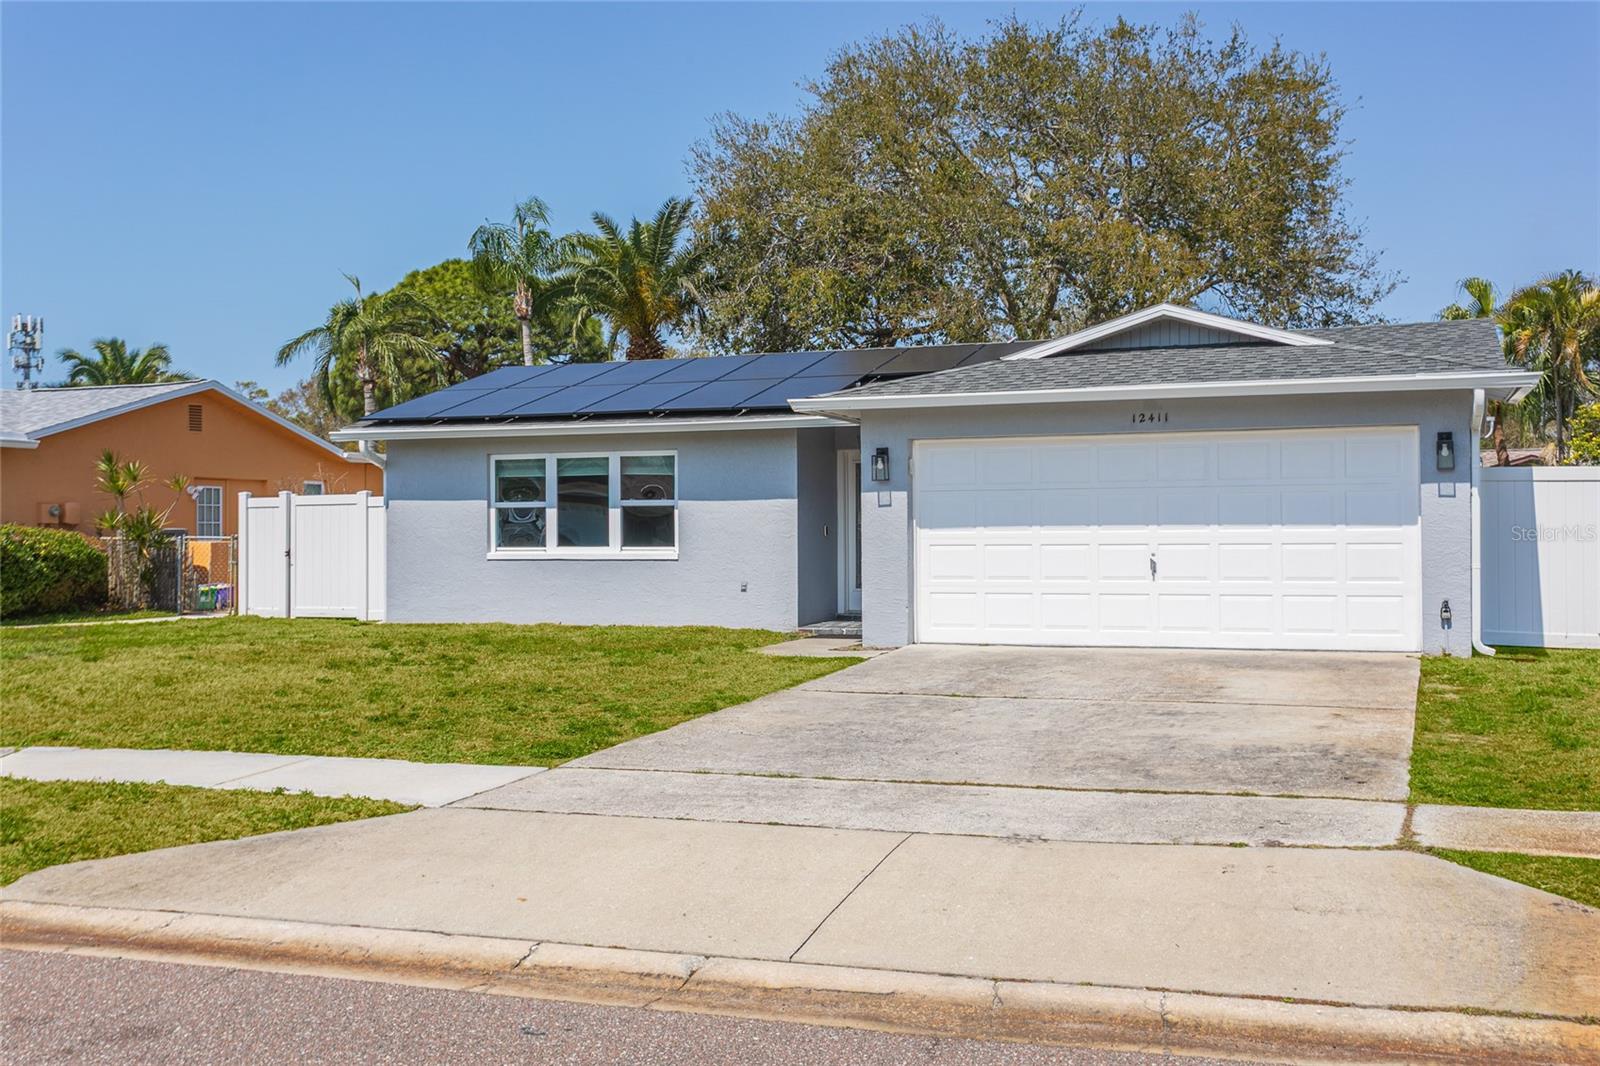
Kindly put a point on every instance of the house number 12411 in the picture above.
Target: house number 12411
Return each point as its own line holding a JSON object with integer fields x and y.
{"x": 1140, "y": 418}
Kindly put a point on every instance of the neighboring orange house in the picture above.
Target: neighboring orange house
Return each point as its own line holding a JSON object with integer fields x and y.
{"x": 51, "y": 439}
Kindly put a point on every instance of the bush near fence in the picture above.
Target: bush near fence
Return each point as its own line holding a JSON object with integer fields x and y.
{"x": 48, "y": 570}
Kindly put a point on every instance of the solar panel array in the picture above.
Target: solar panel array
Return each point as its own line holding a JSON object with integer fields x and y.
{"x": 734, "y": 384}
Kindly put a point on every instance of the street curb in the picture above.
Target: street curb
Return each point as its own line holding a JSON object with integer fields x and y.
{"x": 930, "y": 1004}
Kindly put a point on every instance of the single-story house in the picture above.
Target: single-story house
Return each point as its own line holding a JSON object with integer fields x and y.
{"x": 51, "y": 440}
{"x": 1170, "y": 478}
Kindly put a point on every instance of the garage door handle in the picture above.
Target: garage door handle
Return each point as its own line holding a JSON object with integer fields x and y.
{"x": 1152, "y": 566}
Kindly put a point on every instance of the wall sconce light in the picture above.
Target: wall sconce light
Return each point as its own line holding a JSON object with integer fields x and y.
{"x": 1444, "y": 615}
{"x": 880, "y": 465}
{"x": 1444, "y": 451}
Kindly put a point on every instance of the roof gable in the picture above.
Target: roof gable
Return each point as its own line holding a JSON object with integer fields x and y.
{"x": 1164, "y": 326}
{"x": 30, "y": 414}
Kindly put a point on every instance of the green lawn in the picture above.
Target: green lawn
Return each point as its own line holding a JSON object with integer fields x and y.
{"x": 44, "y": 823}
{"x": 1577, "y": 879}
{"x": 435, "y": 693}
{"x": 1520, "y": 729}
{"x": 61, "y": 617}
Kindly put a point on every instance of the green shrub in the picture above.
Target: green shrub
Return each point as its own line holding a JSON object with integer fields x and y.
{"x": 1585, "y": 440}
{"x": 49, "y": 570}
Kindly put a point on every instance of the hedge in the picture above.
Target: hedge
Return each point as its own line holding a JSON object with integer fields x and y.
{"x": 47, "y": 570}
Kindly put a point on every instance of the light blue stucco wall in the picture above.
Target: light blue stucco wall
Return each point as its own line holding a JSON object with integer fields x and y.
{"x": 1445, "y": 504}
{"x": 737, "y": 533}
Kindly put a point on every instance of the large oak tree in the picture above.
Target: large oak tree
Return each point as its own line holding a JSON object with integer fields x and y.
{"x": 1028, "y": 183}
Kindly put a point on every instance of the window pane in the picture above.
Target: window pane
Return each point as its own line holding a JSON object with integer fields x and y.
{"x": 518, "y": 480}
{"x": 519, "y": 527}
{"x": 647, "y": 527}
{"x": 648, "y": 477}
{"x": 583, "y": 494}
{"x": 311, "y": 488}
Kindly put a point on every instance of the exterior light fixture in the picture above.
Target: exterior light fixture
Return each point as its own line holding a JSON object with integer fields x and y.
{"x": 880, "y": 464}
{"x": 1444, "y": 451}
{"x": 1444, "y": 615}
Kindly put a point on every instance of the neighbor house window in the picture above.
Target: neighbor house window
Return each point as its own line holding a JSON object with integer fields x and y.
{"x": 616, "y": 503}
{"x": 208, "y": 511}
{"x": 312, "y": 488}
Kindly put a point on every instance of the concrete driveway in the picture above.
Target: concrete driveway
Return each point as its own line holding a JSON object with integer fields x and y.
{"x": 1149, "y": 746}
{"x": 1269, "y": 723}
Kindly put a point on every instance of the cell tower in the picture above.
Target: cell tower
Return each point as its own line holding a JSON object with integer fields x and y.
{"x": 25, "y": 343}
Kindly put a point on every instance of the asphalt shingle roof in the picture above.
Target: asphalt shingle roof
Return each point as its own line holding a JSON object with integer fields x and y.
{"x": 28, "y": 412}
{"x": 1355, "y": 351}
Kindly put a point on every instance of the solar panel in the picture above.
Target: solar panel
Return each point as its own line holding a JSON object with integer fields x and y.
{"x": 430, "y": 405}
{"x": 498, "y": 402}
{"x": 577, "y": 373}
{"x": 781, "y": 365}
{"x": 509, "y": 375}
{"x": 717, "y": 396}
{"x": 640, "y": 399}
{"x": 563, "y": 401}
{"x": 853, "y": 363}
{"x": 928, "y": 360}
{"x": 700, "y": 369}
{"x": 793, "y": 388}
{"x": 637, "y": 372}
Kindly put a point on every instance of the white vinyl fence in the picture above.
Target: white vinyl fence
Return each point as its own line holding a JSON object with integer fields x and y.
{"x": 312, "y": 556}
{"x": 1541, "y": 555}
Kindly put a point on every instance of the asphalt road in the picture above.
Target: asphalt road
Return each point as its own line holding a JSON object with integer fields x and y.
{"x": 68, "y": 1008}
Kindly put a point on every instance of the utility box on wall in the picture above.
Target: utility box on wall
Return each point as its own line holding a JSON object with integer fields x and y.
{"x": 59, "y": 514}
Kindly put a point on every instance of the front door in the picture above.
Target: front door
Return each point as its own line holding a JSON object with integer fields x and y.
{"x": 850, "y": 532}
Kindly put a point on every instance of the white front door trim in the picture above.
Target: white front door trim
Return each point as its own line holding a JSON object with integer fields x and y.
{"x": 849, "y": 510}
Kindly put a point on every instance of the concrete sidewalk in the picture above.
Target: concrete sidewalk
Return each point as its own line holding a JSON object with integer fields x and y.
{"x": 1383, "y": 929}
{"x": 424, "y": 784}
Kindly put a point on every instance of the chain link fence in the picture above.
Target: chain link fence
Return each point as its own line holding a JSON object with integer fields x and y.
{"x": 184, "y": 575}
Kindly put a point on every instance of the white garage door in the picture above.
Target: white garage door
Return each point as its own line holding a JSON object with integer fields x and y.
{"x": 1298, "y": 539}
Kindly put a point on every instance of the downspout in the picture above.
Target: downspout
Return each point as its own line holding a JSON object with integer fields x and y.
{"x": 1477, "y": 528}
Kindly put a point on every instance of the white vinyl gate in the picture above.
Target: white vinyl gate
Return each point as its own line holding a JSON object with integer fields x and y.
{"x": 1541, "y": 555}
{"x": 312, "y": 556}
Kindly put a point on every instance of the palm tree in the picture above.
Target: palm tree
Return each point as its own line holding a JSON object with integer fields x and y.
{"x": 526, "y": 255}
{"x": 373, "y": 331}
{"x": 640, "y": 281}
{"x": 1551, "y": 326}
{"x": 114, "y": 364}
{"x": 1481, "y": 303}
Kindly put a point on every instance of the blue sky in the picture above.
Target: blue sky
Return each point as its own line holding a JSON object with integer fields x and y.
{"x": 200, "y": 174}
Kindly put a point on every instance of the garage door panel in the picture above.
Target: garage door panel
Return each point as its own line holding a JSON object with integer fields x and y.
{"x": 1290, "y": 539}
{"x": 1311, "y": 459}
{"x": 1066, "y": 612}
{"x": 1128, "y": 509}
{"x": 1185, "y": 612}
{"x": 1242, "y": 615}
{"x": 1194, "y": 508}
{"x": 1375, "y": 614}
{"x": 1066, "y": 562}
{"x": 1247, "y": 508}
{"x": 1121, "y": 463}
{"x": 1124, "y": 612}
{"x": 1010, "y": 562}
{"x": 1320, "y": 508}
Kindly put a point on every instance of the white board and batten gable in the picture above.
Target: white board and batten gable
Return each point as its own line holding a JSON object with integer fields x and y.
{"x": 1167, "y": 325}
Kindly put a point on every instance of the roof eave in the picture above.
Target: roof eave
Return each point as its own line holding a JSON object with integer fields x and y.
{"x": 469, "y": 430}
{"x": 1507, "y": 384}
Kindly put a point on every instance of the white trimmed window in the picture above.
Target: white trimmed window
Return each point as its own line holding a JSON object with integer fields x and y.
{"x": 578, "y": 506}
{"x": 312, "y": 488}
{"x": 208, "y": 511}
